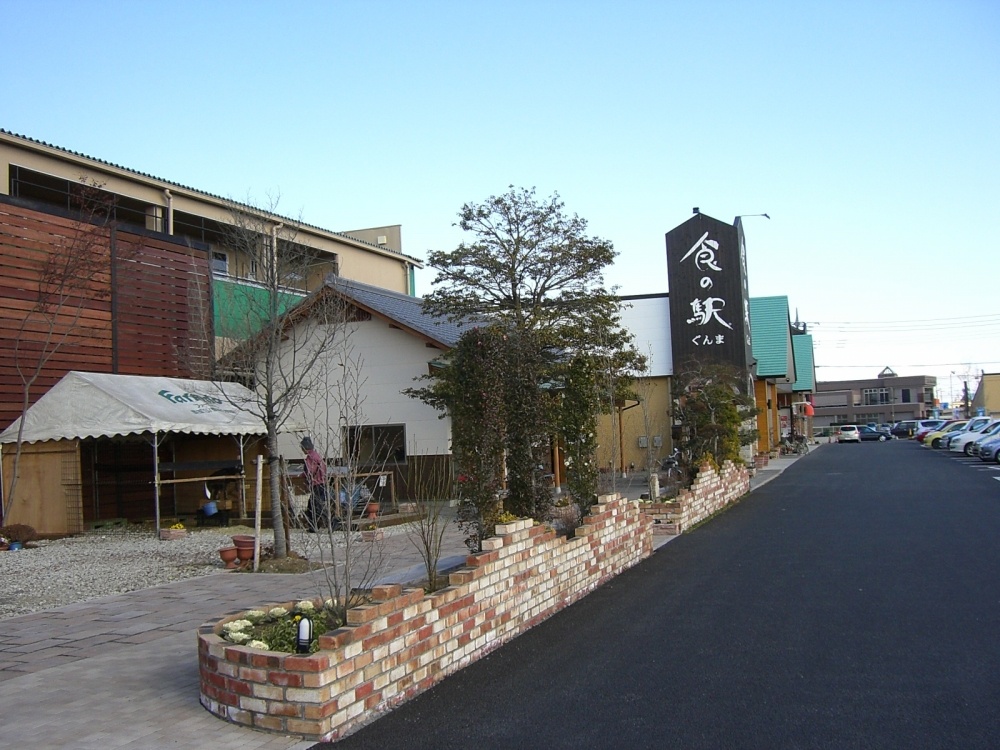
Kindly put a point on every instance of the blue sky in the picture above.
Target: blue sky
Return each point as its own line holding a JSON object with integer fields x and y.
{"x": 868, "y": 131}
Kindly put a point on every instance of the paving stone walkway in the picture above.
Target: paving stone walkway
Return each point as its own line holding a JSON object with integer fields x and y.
{"x": 122, "y": 671}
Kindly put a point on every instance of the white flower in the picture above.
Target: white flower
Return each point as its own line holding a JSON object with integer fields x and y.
{"x": 328, "y": 604}
{"x": 237, "y": 636}
{"x": 278, "y": 612}
{"x": 305, "y": 606}
{"x": 237, "y": 625}
{"x": 254, "y": 615}
{"x": 258, "y": 645}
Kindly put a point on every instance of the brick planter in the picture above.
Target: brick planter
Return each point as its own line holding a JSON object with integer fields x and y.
{"x": 406, "y": 640}
{"x": 167, "y": 535}
{"x": 710, "y": 492}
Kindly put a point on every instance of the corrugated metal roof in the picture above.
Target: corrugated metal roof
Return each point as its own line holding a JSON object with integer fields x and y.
{"x": 805, "y": 370}
{"x": 406, "y": 310}
{"x": 253, "y": 209}
{"x": 770, "y": 330}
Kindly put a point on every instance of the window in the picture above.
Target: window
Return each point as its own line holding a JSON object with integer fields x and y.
{"x": 252, "y": 272}
{"x": 904, "y": 395}
{"x": 220, "y": 263}
{"x": 374, "y": 446}
{"x": 874, "y": 396}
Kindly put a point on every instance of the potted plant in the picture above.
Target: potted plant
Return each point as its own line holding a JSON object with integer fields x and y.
{"x": 174, "y": 532}
{"x": 371, "y": 533}
{"x": 17, "y": 535}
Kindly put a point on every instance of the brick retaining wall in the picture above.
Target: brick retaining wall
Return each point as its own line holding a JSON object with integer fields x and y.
{"x": 710, "y": 492}
{"x": 406, "y": 640}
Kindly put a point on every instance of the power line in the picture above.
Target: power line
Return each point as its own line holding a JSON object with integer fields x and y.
{"x": 919, "y": 320}
{"x": 907, "y": 364}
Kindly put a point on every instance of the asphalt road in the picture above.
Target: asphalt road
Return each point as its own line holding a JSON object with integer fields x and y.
{"x": 853, "y": 602}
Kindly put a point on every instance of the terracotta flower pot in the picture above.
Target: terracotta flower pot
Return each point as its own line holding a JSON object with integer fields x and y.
{"x": 229, "y": 555}
{"x": 244, "y": 547}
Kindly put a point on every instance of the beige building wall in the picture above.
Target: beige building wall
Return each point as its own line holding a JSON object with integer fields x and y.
{"x": 987, "y": 395}
{"x": 360, "y": 255}
{"x": 649, "y": 419}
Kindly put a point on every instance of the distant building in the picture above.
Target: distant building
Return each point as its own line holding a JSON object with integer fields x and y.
{"x": 886, "y": 398}
{"x": 987, "y": 398}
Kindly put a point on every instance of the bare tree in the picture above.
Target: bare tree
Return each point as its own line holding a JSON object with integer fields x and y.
{"x": 434, "y": 491}
{"x": 278, "y": 334}
{"x": 333, "y": 410}
{"x": 72, "y": 284}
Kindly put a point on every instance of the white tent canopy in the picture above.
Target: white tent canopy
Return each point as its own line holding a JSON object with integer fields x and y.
{"x": 88, "y": 404}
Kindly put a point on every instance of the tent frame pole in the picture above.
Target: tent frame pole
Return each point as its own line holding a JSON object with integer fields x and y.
{"x": 156, "y": 480}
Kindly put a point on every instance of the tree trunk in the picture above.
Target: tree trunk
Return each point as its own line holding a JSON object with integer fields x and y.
{"x": 274, "y": 482}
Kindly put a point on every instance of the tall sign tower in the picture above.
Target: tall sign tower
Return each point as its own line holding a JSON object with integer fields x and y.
{"x": 709, "y": 296}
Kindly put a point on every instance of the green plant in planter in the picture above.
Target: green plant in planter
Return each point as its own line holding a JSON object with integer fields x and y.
{"x": 277, "y": 629}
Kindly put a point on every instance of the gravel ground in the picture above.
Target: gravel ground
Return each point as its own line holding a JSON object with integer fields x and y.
{"x": 96, "y": 564}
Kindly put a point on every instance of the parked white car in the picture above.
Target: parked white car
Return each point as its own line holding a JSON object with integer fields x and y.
{"x": 963, "y": 442}
{"x": 848, "y": 433}
{"x": 973, "y": 425}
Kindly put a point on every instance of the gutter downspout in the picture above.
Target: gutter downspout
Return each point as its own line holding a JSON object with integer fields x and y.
{"x": 169, "y": 228}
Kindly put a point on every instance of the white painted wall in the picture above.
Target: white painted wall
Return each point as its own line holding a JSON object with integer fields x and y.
{"x": 387, "y": 360}
{"x": 648, "y": 319}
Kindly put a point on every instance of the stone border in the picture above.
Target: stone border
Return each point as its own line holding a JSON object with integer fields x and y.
{"x": 406, "y": 641}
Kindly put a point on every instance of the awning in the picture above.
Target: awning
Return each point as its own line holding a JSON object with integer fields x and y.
{"x": 89, "y": 404}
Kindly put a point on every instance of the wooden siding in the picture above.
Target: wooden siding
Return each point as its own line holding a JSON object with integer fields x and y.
{"x": 148, "y": 313}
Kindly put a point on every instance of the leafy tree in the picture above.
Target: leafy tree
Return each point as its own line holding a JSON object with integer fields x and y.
{"x": 531, "y": 272}
{"x": 529, "y": 266}
{"x": 580, "y": 404}
{"x": 713, "y": 406}
{"x": 472, "y": 393}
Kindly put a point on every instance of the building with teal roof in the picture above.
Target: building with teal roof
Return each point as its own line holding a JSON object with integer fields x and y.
{"x": 785, "y": 371}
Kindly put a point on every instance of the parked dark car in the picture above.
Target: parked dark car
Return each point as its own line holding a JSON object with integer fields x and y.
{"x": 904, "y": 429}
{"x": 867, "y": 433}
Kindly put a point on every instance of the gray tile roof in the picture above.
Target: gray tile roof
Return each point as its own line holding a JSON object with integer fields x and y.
{"x": 406, "y": 310}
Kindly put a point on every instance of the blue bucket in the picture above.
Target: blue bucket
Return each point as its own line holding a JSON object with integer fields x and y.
{"x": 14, "y": 546}
{"x": 210, "y": 508}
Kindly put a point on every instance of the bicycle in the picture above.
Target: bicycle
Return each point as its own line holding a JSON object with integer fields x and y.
{"x": 797, "y": 445}
{"x": 671, "y": 464}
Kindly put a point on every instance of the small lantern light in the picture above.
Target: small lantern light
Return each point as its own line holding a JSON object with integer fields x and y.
{"x": 304, "y": 641}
